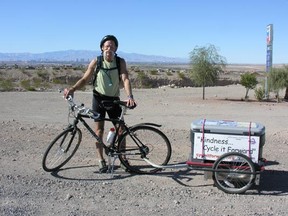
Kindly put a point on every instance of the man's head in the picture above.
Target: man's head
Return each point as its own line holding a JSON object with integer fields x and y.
{"x": 109, "y": 38}
{"x": 108, "y": 46}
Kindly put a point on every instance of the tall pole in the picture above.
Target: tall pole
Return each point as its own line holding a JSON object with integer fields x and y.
{"x": 269, "y": 40}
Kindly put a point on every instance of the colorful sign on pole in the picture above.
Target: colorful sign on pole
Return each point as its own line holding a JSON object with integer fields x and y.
{"x": 269, "y": 40}
{"x": 269, "y": 34}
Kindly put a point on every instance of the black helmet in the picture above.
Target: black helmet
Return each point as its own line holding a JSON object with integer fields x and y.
{"x": 109, "y": 37}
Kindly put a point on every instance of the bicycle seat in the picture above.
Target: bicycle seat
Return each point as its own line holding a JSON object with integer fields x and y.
{"x": 107, "y": 104}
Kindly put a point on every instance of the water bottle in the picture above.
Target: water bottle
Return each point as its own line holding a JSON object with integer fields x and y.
{"x": 110, "y": 136}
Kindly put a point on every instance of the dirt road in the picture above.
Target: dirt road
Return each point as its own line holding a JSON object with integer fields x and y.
{"x": 29, "y": 121}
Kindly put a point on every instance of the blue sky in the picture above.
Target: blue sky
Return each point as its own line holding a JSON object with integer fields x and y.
{"x": 170, "y": 28}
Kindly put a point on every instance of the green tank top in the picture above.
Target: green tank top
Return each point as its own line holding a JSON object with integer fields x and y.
{"x": 107, "y": 82}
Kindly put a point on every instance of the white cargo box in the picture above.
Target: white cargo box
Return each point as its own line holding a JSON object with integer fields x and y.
{"x": 212, "y": 138}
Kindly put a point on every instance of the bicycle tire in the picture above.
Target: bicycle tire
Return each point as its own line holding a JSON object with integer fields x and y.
{"x": 156, "y": 148}
{"x": 234, "y": 173}
{"x": 61, "y": 149}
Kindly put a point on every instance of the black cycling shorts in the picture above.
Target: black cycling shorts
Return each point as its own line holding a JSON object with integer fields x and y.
{"x": 113, "y": 113}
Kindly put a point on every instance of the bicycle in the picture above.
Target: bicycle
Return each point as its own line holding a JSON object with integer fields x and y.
{"x": 133, "y": 146}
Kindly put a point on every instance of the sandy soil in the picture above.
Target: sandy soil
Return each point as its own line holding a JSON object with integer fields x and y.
{"x": 30, "y": 120}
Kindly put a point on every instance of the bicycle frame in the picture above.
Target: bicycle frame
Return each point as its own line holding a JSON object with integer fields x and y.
{"x": 119, "y": 124}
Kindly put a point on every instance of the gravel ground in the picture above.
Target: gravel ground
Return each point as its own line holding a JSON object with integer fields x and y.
{"x": 30, "y": 120}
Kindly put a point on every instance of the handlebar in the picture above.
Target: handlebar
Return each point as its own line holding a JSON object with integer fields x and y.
{"x": 81, "y": 109}
{"x": 87, "y": 112}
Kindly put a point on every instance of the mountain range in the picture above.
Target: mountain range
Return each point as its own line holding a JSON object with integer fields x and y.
{"x": 85, "y": 56}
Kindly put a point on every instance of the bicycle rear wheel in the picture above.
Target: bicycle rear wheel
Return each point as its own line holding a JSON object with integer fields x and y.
{"x": 144, "y": 141}
{"x": 61, "y": 149}
{"x": 234, "y": 173}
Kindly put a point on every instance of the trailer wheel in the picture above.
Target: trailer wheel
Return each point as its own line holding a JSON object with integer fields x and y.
{"x": 234, "y": 173}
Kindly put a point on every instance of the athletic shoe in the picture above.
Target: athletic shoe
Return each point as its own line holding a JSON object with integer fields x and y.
{"x": 103, "y": 168}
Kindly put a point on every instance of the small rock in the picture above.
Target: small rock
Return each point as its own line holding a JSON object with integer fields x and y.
{"x": 68, "y": 197}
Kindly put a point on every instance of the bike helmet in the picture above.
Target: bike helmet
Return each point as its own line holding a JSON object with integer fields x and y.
{"x": 109, "y": 37}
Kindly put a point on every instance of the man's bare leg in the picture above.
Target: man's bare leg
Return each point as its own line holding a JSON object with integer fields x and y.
{"x": 99, "y": 129}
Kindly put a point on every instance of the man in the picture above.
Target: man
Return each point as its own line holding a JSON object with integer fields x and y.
{"x": 106, "y": 87}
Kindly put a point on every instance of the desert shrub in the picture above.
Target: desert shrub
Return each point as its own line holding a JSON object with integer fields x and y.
{"x": 25, "y": 84}
{"x": 143, "y": 80}
{"x": 278, "y": 79}
{"x": 136, "y": 69}
{"x": 168, "y": 73}
{"x": 59, "y": 81}
{"x": 43, "y": 75}
{"x": 153, "y": 72}
{"x": 79, "y": 68}
{"x": 141, "y": 76}
{"x": 43, "y": 85}
{"x": 259, "y": 93}
{"x": 34, "y": 84}
{"x": 31, "y": 88}
{"x": 249, "y": 81}
{"x": 37, "y": 82}
{"x": 181, "y": 75}
{"x": 6, "y": 85}
{"x": 23, "y": 71}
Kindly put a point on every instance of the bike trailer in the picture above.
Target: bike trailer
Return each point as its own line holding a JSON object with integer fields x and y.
{"x": 212, "y": 138}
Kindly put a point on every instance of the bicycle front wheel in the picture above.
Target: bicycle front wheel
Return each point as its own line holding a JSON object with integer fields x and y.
{"x": 144, "y": 142}
{"x": 61, "y": 149}
{"x": 234, "y": 173}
